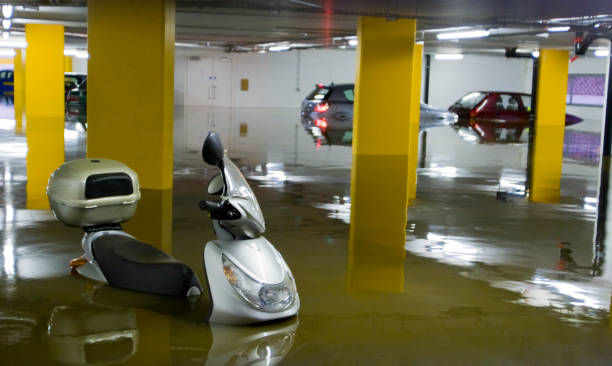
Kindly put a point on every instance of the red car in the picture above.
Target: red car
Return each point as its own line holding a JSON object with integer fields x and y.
{"x": 498, "y": 110}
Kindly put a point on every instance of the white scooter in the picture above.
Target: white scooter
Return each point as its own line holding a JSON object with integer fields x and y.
{"x": 248, "y": 280}
{"x": 241, "y": 257}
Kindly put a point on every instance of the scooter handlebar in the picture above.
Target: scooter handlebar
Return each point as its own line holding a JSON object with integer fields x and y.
{"x": 220, "y": 211}
{"x": 208, "y": 205}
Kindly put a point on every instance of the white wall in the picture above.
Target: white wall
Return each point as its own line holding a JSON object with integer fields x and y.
{"x": 451, "y": 79}
{"x": 283, "y": 79}
{"x": 276, "y": 79}
{"x": 79, "y": 65}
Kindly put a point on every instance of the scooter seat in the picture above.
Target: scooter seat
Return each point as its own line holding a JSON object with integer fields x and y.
{"x": 133, "y": 265}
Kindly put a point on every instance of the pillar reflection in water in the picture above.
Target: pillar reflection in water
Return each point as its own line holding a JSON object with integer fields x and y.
{"x": 152, "y": 223}
{"x": 377, "y": 235}
{"x": 45, "y": 139}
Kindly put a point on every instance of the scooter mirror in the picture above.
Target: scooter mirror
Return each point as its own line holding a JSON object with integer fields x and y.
{"x": 212, "y": 151}
{"x": 216, "y": 185}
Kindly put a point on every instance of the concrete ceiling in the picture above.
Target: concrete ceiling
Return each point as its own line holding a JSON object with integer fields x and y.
{"x": 242, "y": 25}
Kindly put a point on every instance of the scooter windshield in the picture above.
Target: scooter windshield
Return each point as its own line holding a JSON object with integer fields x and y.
{"x": 237, "y": 187}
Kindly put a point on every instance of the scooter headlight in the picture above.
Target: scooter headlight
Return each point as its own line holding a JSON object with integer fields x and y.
{"x": 262, "y": 296}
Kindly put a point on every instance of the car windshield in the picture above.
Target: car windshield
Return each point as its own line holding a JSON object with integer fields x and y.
{"x": 71, "y": 80}
{"x": 470, "y": 100}
{"x": 318, "y": 94}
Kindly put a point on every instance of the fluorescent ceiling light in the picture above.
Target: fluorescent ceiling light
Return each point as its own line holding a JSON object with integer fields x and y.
{"x": 558, "y": 29}
{"x": 76, "y": 53}
{"x": 278, "y": 48}
{"x": 449, "y": 56}
{"x": 306, "y": 3}
{"x": 6, "y": 23}
{"x": 13, "y": 44}
{"x": 463, "y": 34}
{"x": 188, "y": 45}
{"x": 353, "y": 42}
{"x": 7, "y": 52}
{"x": 7, "y": 11}
{"x": 542, "y": 35}
{"x": 602, "y": 53}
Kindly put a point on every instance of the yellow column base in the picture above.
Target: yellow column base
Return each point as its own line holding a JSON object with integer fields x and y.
{"x": 152, "y": 223}
{"x": 45, "y": 139}
{"x": 377, "y": 234}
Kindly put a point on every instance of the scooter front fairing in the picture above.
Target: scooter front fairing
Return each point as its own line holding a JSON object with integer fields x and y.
{"x": 248, "y": 278}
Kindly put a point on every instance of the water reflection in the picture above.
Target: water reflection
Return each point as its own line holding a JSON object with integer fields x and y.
{"x": 485, "y": 131}
{"x": 254, "y": 135}
{"x": 90, "y": 335}
{"x": 262, "y": 345}
{"x": 377, "y": 229}
{"x": 570, "y": 287}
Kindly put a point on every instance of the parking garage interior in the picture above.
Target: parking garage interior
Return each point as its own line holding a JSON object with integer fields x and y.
{"x": 475, "y": 238}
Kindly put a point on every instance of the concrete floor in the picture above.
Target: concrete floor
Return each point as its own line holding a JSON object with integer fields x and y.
{"x": 482, "y": 281}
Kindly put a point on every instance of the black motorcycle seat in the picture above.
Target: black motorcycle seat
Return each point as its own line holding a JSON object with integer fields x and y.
{"x": 133, "y": 265}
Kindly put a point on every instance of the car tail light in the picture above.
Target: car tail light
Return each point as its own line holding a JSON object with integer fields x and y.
{"x": 323, "y": 107}
{"x": 73, "y": 99}
{"x": 321, "y": 123}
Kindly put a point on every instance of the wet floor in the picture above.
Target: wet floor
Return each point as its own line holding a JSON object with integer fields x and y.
{"x": 471, "y": 279}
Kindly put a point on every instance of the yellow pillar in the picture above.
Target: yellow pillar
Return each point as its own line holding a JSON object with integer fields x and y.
{"x": 383, "y": 141}
{"x": 549, "y": 126}
{"x": 132, "y": 43}
{"x": 18, "y": 89}
{"x": 152, "y": 223}
{"x": 67, "y": 63}
{"x": 44, "y": 105}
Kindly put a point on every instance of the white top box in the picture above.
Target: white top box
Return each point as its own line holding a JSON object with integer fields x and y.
{"x": 92, "y": 192}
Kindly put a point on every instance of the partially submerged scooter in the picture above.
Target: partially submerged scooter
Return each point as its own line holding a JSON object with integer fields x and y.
{"x": 242, "y": 264}
{"x": 97, "y": 195}
{"x": 248, "y": 280}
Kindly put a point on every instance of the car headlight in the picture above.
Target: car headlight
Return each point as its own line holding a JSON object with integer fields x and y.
{"x": 262, "y": 296}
